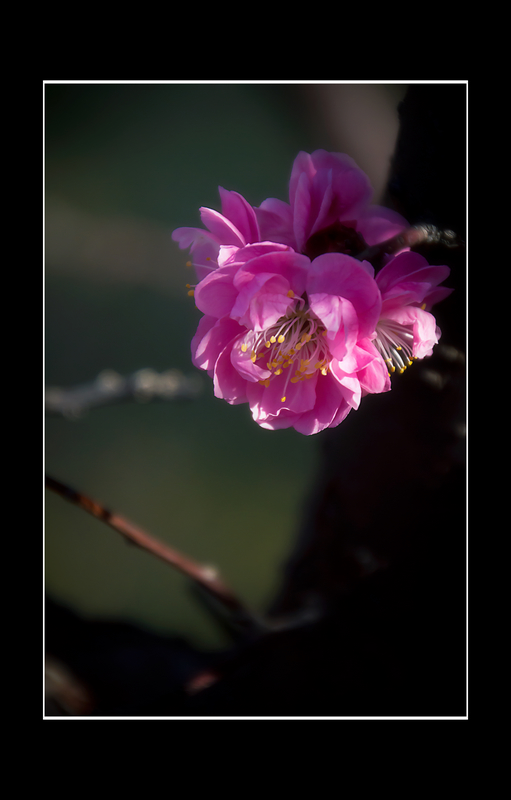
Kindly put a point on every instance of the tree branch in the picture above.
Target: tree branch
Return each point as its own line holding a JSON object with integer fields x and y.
{"x": 110, "y": 387}
{"x": 414, "y": 236}
{"x": 204, "y": 576}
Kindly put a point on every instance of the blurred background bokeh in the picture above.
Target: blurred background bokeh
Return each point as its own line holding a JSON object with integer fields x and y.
{"x": 125, "y": 164}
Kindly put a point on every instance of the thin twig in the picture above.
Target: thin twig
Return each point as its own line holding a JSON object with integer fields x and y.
{"x": 206, "y": 577}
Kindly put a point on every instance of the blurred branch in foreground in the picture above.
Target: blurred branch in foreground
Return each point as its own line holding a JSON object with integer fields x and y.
{"x": 109, "y": 387}
{"x": 413, "y": 237}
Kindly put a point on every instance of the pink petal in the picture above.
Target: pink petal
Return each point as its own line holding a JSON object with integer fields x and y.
{"x": 409, "y": 267}
{"x": 228, "y": 384}
{"x": 300, "y": 396}
{"x": 262, "y": 301}
{"x": 302, "y": 212}
{"x": 225, "y": 231}
{"x": 198, "y": 349}
{"x": 403, "y": 294}
{"x": 340, "y": 319}
{"x": 268, "y": 408}
{"x": 372, "y": 371}
{"x": 377, "y": 224}
{"x": 255, "y": 394}
{"x": 264, "y": 284}
{"x": 436, "y": 295}
{"x": 241, "y": 255}
{"x": 324, "y": 188}
{"x": 350, "y": 386}
{"x": 425, "y": 331}
{"x": 330, "y": 409}
{"x": 275, "y": 221}
{"x": 212, "y": 336}
{"x": 227, "y": 254}
{"x": 236, "y": 209}
{"x": 215, "y": 295}
{"x": 341, "y": 275}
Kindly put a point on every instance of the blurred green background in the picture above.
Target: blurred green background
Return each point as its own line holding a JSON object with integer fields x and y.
{"x": 125, "y": 164}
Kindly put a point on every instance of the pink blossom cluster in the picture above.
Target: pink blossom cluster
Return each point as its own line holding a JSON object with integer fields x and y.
{"x": 294, "y": 323}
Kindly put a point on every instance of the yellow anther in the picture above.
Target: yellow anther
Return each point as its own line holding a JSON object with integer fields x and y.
{"x": 324, "y": 371}
{"x": 273, "y": 340}
{"x": 283, "y": 399}
{"x": 191, "y": 293}
{"x": 268, "y": 344}
{"x": 281, "y": 338}
{"x": 208, "y": 258}
{"x": 278, "y": 371}
{"x": 244, "y": 348}
{"x": 265, "y": 382}
{"x": 253, "y": 355}
{"x": 290, "y": 293}
{"x": 423, "y": 306}
{"x": 188, "y": 263}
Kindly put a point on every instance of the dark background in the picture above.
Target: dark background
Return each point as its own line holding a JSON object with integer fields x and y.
{"x": 124, "y": 166}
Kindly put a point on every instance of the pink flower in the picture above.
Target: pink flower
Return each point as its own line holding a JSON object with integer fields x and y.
{"x": 329, "y": 208}
{"x": 406, "y": 329}
{"x": 294, "y": 324}
{"x": 329, "y": 211}
{"x": 282, "y": 333}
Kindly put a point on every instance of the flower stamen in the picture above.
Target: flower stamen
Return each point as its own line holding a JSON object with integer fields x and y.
{"x": 210, "y": 267}
{"x": 395, "y": 344}
{"x": 295, "y": 339}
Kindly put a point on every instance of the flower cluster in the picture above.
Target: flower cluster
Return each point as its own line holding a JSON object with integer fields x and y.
{"x": 295, "y": 324}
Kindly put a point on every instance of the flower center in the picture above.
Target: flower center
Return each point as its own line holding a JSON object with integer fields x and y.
{"x": 337, "y": 238}
{"x": 297, "y": 343}
{"x": 395, "y": 343}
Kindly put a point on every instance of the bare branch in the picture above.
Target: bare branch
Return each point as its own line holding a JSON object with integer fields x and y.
{"x": 204, "y": 576}
{"x": 414, "y": 236}
{"x": 110, "y": 387}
